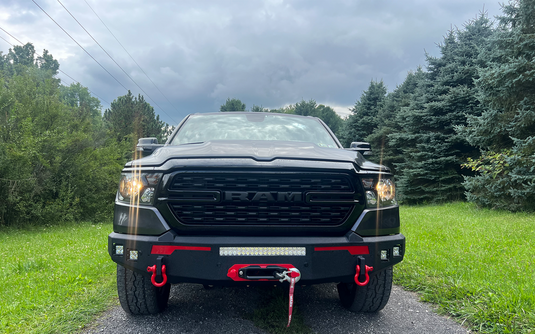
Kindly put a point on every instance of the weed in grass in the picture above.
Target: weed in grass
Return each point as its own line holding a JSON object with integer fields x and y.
{"x": 477, "y": 265}
{"x": 272, "y": 313}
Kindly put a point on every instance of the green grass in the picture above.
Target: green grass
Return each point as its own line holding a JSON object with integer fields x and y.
{"x": 54, "y": 279}
{"x": 477, "y": 265}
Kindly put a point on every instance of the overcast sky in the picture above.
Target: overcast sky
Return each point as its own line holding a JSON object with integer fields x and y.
{"x": 270, "y": 53}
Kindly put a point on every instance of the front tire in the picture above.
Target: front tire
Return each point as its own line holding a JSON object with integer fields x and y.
{"x": 137, "y": 295}
{"x": 369, "y": 298}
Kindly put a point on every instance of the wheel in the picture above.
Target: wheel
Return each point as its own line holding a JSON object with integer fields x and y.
{"x": 137, "y": 295}
{"x": 369, "y": 298}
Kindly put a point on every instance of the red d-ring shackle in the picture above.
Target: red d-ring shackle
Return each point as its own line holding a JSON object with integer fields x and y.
{"x": 367, "y": 269}
{"x": 153, "y": 277}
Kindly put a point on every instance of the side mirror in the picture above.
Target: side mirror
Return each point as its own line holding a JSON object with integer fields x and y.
{"x": 362, "y": 147}
{"x": 147, "y": 146}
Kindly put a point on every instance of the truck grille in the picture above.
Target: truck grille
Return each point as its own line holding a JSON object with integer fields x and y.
{"x": 204, "y": 198}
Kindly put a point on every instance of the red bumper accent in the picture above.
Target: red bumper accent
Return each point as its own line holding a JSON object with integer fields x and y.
{"x": 353, "y": 250}
{"x": 233, "y": 271}
{"x": 168, "y": 250}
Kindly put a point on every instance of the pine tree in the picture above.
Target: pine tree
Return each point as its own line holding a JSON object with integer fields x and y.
{"x": 505, "y": 132}
{"x": 388, "y": 119}
{"x": 432, "y": 149}
{"x": 363, "y": 120}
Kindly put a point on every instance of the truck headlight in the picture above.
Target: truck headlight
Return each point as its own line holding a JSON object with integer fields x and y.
{"x": 379, "y": 192}
{"x": 386, "y": 191}
{"x": 138, "y": 187}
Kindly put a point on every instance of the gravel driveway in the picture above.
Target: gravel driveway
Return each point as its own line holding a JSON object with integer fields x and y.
{"x": 193, "y": 309}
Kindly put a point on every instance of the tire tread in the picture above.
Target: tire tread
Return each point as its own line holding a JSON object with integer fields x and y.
{"x": 137, "y": 295}
{"x": 370, "y": 298}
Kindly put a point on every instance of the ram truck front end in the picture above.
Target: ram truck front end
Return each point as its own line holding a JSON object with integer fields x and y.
{"x": 252, "y": 199}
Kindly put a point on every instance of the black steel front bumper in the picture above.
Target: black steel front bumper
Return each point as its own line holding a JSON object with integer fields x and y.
{"x": 197, "y": 259}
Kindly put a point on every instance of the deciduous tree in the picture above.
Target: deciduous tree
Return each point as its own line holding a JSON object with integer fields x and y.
{"x": 232, "y": 105}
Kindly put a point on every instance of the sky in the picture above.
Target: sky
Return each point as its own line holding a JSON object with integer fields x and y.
{"x": 189, "y": 56}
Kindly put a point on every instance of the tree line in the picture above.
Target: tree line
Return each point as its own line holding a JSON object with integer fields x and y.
{"x": 303, "y": 108}
{"x": 60, "y": 158}
{"x": 463, "y": 128}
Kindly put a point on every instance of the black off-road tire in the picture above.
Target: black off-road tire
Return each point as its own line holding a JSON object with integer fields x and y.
{"x": 369, "y": 298}
{"x": 137, "y": 295}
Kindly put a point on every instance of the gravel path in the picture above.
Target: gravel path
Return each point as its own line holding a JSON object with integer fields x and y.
{"x": 193, "y": 309}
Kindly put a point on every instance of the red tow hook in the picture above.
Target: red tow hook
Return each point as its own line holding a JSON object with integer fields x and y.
{"x": 362, "y": 272}
{"x": 155, "y": 272}
{"x": 153, "y": 277}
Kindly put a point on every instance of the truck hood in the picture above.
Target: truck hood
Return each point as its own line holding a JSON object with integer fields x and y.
{"x": 256, "y": 150}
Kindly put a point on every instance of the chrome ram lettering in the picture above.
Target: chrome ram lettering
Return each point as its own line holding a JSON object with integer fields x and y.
{"x": 266, "y": 196}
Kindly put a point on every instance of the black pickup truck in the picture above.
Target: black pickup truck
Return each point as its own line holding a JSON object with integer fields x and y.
{"x": 244, "y": 198}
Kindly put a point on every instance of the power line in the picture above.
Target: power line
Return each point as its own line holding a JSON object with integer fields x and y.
{"x": 34, "y": 53}
{"x": 79, "y": 45}
{"x": 130, "y": 55}
{"x": 106, "y": 52}
{"x": 6, "y": 40}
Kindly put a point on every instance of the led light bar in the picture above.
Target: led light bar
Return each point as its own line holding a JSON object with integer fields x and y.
{"x": 262, "y": 251}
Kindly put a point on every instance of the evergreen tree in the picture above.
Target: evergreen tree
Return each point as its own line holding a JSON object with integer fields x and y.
{"x": 432, "y": 149}
{"x": 389, "y": 120}
{"x": 505, "y": 132}
{"x": 363, "y": 120}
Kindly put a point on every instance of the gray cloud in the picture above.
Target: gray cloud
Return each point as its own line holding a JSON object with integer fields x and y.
{"x": 269, "y": 53}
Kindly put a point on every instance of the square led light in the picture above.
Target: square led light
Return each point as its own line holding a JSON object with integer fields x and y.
{"x": 395, "y": 251}
{"x": 119, "y": 249}
{"x": 134, "y": 255}
{"x": 384, "y": 254}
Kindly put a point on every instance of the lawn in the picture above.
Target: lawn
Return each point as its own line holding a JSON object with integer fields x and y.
{"x": 55, "y": 279}
{"x": 476, "y": 264}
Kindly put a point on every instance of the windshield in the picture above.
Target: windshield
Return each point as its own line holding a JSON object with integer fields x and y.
{"x": 202, "y": 128}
